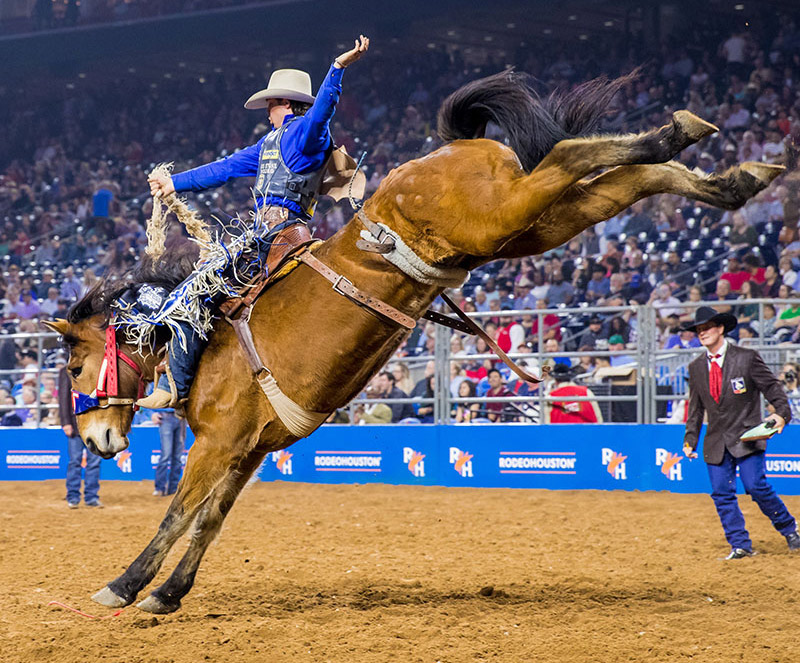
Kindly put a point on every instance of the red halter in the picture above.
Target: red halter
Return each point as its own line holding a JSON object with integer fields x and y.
{"x": 108, "y": 378}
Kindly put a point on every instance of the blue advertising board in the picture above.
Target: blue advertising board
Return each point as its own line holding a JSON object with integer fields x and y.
{"x": 607, "y": 457}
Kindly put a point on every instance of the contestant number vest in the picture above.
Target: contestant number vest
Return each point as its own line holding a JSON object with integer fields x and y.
{"x": 276, "y": 180}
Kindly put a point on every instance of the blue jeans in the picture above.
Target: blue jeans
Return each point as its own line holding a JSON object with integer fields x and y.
{"x": 172, "y": 431}
{"x": 91, "y": 485}
{"x": 753, "y": 476}
{"x": 183, "y": 364}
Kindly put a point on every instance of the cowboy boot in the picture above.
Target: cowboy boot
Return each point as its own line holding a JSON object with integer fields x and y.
{"x": 176, "y": 383}
{"x": 163, "y": 395}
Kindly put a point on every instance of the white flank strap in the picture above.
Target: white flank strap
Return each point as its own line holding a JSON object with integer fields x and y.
{"x": 408, "y": 262}
{"x": 299, "y": 421}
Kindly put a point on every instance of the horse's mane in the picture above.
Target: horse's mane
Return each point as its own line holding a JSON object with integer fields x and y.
{"x": 532, "y": 123}
{"x": 169, "y": 271}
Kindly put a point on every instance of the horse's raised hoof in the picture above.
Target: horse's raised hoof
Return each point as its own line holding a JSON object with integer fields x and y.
{"x": 109, "y": 599}
{"x": 763, "y": 172}
{"x": 154, "y": 605}
{"x": 692, "y": 126}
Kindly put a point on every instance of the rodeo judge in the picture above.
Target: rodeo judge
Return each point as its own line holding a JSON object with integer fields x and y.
{"x": 725, "y": 382}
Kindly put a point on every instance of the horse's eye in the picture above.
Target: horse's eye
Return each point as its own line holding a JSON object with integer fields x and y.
{"x": 75, "y": 372}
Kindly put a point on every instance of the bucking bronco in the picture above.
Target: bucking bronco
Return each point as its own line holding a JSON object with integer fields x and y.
{"x": 431, "y": 221}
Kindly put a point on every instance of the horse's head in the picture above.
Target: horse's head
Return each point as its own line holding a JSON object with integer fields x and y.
{"x": 104, "y": 418}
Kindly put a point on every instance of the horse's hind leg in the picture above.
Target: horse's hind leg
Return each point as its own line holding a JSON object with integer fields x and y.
{"x": 587, "y": 203}
{"x": 207, "y": 465}
{"x": 167, "y": 597}
{"x": 576, "y": 158}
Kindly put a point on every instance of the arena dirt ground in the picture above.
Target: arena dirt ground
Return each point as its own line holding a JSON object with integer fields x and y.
{"x": 387, "y": 573}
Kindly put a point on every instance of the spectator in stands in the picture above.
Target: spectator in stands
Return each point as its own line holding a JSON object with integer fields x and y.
{"x": 664, "y": 303}
{"x": 735, "y": 274}
{"x": 510, "y": 334}
{"x": 27, "y": 308}
{"x": 479, "y": 298}
{"x": 767, "y": 321}
{"x": 421, "y": 386}
{"x": 790, "y": 380}
{"x": 595, "y": 332}
{"x": 387, "y": 389}
{"x": 749, "y": 312}
{"x": 742, "y": 235}
{"x": 76, "y": 450}
{"x": 373, "y": 413}
{"x": 553, "y": 347}
{"x": 746, "y": 334}
{"x": 524, "y": 300}
{"x": 464, "y": 413}
{"x": 681, "y": 339}
{"x": 50, "y": 305}
{"x": 497, "y": 389}
{"x": 566, "y": 411}
{"x": 722, "y": 294}
{"x": 402, "y": 376}
{"x": 772, "y": 282}
{"x": 551, "y": 323}
{"x": 599, "y": 286}
{"x": 425, "y": 410}
{"x": 560, "y": 291}
{"x": 70, "y": 286}
{"x": 616, "y": 344}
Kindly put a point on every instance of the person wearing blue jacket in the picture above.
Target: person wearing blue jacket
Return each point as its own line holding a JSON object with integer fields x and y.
{"x": 288, "y": 164}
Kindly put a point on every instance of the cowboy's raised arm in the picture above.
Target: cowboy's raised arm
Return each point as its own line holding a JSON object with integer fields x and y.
{"x": 313, "y": 134}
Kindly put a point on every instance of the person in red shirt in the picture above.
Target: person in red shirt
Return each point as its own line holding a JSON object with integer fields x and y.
{"x": 735, "y": 274}
{"x": 753, "y": 267}
{"x": 570, "y": 412}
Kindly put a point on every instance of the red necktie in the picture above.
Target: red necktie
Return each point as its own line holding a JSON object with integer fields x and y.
{"x": 715, "y": 378}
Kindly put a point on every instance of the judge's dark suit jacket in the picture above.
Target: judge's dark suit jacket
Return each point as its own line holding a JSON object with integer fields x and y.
{"x": 744, "y": 371}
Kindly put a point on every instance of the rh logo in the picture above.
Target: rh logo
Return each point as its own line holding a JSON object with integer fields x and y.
{"x": 414, "y": 461}
{"x": 615, "y": 464}
{"x": 283, "y": 461}
{"x": 670, "y": 464}
{"x": 124, "y": 463}
{"x": 461, "y": 461}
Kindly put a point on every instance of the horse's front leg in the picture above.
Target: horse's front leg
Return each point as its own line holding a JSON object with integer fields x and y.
{"x": 587, "y": 203}
{"x": 206, "y": 466}
{"x": 167, "y": 597}
{"x": 573, "y": 159}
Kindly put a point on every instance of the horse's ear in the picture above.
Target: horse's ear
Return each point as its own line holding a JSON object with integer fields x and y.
{"x": 59, "y": 326}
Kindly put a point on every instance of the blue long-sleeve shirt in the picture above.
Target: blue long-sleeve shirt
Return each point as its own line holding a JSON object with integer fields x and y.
{"x": 304, "y": 147}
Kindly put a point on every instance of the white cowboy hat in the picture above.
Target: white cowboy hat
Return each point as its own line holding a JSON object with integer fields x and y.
{"x": 291, "y": 84}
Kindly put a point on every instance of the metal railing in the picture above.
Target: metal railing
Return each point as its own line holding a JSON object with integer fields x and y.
{"x": 652, "y": 391}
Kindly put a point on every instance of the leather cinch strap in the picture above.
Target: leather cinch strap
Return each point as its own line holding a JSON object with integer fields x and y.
{"x": 347, "y": 289}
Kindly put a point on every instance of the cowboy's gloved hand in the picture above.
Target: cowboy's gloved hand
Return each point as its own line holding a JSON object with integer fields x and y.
{"x": 160, "y": 185}
{"x": 349, "y": 57}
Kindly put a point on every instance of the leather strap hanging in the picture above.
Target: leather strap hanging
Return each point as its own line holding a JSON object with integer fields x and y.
{"x": 491, "y": 343}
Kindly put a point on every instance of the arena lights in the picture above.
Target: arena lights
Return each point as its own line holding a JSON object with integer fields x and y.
{"x": 738, "y": 8}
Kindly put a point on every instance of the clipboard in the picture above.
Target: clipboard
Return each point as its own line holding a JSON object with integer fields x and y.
{"x": 763, "y": 431}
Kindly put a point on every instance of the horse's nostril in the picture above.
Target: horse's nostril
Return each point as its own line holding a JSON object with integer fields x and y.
{"x": 108, "y": 438}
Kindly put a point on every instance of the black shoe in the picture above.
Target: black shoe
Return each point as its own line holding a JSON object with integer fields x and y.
{"x": 793, "y": 540}
{"x": 739, "y": 553}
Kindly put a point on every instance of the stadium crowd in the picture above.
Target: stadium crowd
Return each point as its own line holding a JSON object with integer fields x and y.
{"x": 73, "y": 199}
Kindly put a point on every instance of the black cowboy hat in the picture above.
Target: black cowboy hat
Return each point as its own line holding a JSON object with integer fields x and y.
{"x": 706, "y": 314}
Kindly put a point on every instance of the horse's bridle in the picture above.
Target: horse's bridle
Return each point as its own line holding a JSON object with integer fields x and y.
{"x": 107, "y": 388}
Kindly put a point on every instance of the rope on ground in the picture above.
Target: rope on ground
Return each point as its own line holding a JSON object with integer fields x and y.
{"x": 86, "y": 614}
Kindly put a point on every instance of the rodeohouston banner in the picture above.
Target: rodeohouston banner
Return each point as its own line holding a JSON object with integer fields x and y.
{"x": 608, "y": 457}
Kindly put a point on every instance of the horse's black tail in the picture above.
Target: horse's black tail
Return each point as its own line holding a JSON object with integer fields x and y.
{"x": 532, "y": 124}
